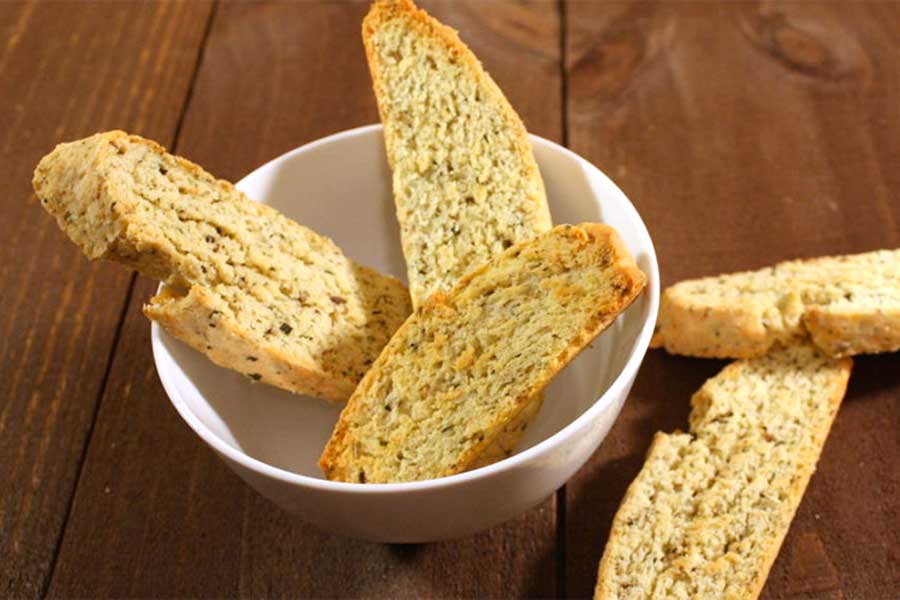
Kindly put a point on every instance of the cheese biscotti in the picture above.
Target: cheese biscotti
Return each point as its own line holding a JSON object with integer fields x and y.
{"x": 466, "y": 185}
{"x": 708, "y": 512}
{"x": 253, "y": 290}
{"x": 465, "y": 181}
{"x": 466, "y": 363}
{"x": 845, "y": 305}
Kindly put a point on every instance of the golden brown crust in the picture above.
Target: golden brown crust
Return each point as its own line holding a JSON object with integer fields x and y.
{"x": 186, "y": 317}
{"x": 845, "y": 305}
{"x": 634, "y": 281}
{"x": 803, "y": 479}
{"x": 603, "y": 571}
{"x": 312, "y": 318}
{"x": 441, "y": 313}
{"x": 850, "y": 332}
{"x": 429, "y": 28}
{"x": 726, "y": 429}
{"x": 383, "y": 11}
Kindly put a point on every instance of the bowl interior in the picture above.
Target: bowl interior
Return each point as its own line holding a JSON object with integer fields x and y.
{"x": 341, "y": 187}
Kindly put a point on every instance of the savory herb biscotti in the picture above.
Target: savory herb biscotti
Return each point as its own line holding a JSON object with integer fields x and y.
{"x": 253, "y": 290}
{"x": 708, "y": 512}
{"x": 845, "y": 305}
{"x": 466, "y": 185}
{"x": 465, "y": 181}
{"x": 466, "y": 363}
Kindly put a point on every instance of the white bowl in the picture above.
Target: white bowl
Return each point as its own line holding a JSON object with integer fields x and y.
{"x": 340, "y": 186}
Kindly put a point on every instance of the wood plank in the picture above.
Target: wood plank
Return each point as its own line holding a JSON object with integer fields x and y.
{"x": 156, "y": 514}
{"x": 747, "y": 135}
{"x": 66, "y": 71}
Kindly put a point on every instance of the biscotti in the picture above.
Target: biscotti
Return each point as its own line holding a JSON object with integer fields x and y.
{"x": 845, "y": 305}
{"x": 466, "y": 185}
{"x": 465, "y": 181}
{"x": 465, "y": 363}
{"x": 708, "y": 512}
{"x": 253, "y": 290}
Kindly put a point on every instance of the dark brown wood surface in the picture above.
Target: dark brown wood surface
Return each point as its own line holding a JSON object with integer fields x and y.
{"x": 214, "y": 523}
{"x": 743, "y": 133}
{"x": 745, "y": 136}
{"x": 66, "y": 71}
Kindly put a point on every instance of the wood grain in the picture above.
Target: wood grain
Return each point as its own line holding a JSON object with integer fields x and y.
{"x": 66, "y": 70}
{"x": 156, "y": 514}
{"x": 745, "y": 135}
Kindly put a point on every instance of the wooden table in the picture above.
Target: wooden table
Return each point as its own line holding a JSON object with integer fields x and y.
{"x": 743, "y": 133}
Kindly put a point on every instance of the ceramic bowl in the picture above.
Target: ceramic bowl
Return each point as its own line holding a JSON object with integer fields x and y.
{"x": 340, "y": 186}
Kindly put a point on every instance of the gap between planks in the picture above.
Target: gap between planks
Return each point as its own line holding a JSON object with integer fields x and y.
{"x": 51, "y": 572}
{"x": 561, "y": 496}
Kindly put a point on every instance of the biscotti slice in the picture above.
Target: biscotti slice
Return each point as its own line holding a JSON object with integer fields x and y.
{"x": 465, "y": 364}
{"x": 253, "y": 290}
{"x": 845, "y": 305}
{"x": 708, "y": 512}
{"x": 465, "y": 182}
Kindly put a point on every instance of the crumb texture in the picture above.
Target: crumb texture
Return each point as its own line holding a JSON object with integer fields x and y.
{"x": 466, "y": 185}
{"x": 708, "y": 512}
{"x": 466, "y": 363}
{"x": 250, "y": 288}
{"x": 845, "y": 305}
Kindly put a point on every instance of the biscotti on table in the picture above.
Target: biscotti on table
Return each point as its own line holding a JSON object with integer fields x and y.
{"x": 465, "y": 182}
{"x": 845, "y": 305}
{"x": 248, "y": 287}
{"x": 708, "y": 512}
{"x": 466, "y": 362}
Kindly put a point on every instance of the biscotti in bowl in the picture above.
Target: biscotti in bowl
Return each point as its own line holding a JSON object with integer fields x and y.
{"x": 340, "y": 187}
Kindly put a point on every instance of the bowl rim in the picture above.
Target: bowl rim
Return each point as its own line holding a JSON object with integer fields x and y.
{"x": 625, "y": 375}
